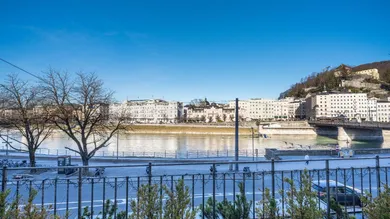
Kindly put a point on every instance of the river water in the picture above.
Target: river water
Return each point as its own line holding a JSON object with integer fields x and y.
{"x": 148, "y": 144}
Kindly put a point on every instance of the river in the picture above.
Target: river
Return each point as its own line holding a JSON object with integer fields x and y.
{"x": 151, "y": 144}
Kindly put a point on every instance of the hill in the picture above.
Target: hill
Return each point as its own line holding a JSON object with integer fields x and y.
{"x": 372, "y": 78}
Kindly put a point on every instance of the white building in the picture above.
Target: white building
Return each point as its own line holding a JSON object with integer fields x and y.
{"x": 351, "y": 105}
{"x": 149, "y": 111}
{"x": 209, "y": 113}
{"x": 383, "y": 111}
{"x": 267, "y": 109}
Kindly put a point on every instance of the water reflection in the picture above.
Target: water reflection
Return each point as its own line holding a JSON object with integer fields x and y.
{"x": 160, "y": 143}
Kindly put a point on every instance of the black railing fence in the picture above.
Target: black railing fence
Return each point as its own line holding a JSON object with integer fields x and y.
{"x": 120, "y": 183}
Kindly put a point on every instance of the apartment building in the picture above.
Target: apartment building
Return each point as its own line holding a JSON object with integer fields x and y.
{"x": 383, "y": 111}
{"x": 148, "y": 111}
{"x": 351, "y": 105}
{"x": 209, "y": 113}
{"x": 268, "y": 109}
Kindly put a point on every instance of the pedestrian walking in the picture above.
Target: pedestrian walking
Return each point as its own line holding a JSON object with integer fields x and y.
{"x": 307, "y": 158}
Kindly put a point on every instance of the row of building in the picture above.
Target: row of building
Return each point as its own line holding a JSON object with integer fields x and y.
{"x": 321, "y": 105}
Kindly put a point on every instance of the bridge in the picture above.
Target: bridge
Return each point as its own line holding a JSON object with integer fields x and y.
{"x": 347, "y": 131}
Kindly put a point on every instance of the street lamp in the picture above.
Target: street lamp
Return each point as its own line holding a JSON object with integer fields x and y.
{"x": 117, "y": 145}
{"x": 7, "y": 143}
{"x": 253, "y": 145}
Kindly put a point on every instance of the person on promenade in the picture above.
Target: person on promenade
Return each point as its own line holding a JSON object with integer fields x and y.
{"x": 307, "y": 158}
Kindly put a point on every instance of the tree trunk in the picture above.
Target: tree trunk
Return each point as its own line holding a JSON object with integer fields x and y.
{"x": 85, "y": 160}
{"x": 31, "y": 155}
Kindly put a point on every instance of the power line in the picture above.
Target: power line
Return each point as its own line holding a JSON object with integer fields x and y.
{"x": 13, "y": 65}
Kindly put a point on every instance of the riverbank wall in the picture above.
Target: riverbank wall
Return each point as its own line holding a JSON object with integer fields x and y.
{"x": 189, "y": 129}
{"x": 292, "y": 128}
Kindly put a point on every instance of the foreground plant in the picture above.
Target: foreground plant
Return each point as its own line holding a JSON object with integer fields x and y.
{"x": 268, "y": 207}
{"x": 28, "y": 211}
{"x": 302, "y": 203}
{"x": 229, "y": 210}
{"x": 378, "y": 207}
{"x": 178, "y": 204}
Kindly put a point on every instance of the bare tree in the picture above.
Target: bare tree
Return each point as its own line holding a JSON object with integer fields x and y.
{"x": 25, "y": 110}
{"x": 224, "y": 117}
{"x": 81, "y": 111}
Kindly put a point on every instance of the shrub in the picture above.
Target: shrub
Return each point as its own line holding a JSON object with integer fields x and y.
{"x": 302, "y": 203}
{"x": 268, "y": 207}
{"x": 148, "y": 205}
{"x": 378, "y": 207}
{"x": 28, "y": 211}
{"x": 228, "y": 210}
{"x": 178, "y": 203}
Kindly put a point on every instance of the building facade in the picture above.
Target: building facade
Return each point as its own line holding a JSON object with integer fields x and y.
{"x": 148, "y": 111}
{"x": 267, "y": 109}
{"x": 349, "y": 106}
{"x": 209, "y": 113}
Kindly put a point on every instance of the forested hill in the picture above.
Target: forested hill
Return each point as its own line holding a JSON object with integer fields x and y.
{"x": 317, "y": 82}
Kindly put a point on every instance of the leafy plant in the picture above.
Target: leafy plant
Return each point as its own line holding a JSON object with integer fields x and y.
{"x": 28, "y": 211}
{"x": 148, "y": 205}
{"x": 228, "y": 210}
{"x": 378, "y": 207}
{"x": 178, "y": 203}
{"x": 268, "y": 207}
{"x": 302, "y": 203}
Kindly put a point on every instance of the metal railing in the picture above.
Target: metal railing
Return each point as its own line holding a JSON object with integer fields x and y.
{"x": 120, "y": 185}
{"x": 160, "y": 154}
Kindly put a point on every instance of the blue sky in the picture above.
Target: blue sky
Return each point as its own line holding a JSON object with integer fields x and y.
{"x": 187, "y": 49}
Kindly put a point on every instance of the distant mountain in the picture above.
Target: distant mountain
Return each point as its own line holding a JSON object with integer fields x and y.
{"x": 345, "y": 78}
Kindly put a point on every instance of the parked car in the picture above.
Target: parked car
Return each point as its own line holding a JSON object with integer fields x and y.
{"x": 342, "y": 194}
{"x": 23, "y": 177}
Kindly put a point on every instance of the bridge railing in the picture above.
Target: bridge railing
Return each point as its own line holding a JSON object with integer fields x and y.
{"x": 354, "y": 124}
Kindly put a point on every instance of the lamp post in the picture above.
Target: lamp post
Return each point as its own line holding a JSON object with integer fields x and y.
{"x": 7, "y": 142}
{"x": 236, "y": 135}
{"x": 117, "y": 145}
{"x": 253, "y": 145}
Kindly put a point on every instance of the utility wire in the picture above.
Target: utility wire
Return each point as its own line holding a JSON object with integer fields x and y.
{"x": 13, "y": 65}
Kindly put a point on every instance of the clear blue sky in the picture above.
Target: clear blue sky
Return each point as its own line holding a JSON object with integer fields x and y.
{"x": 189, "y": 49}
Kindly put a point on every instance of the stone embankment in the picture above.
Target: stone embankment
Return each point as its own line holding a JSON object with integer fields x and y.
{"x": 189, "y": 129}
{"x": 293, "y": 128}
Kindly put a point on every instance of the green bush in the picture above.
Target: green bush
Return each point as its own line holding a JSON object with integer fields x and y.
{"x": 302, "y": 203}
{"x": 378, "y": 207}
{"x": 148, "y": 205}
{"x": 28, "y": 211}
{"x": 227, "y": 210}
{"x": 178, "y": 204}
{"x": 268, "y": 207}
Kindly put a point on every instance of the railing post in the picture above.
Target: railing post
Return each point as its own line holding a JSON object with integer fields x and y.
{"x": 150, "y": 174}
{"x": 214, "y": 176}
{"x": 378, "y": 174}
{"x": 4, "y": 179}
{"x": 165, "y": 154}
{"x": 175, "y": 153}
{"x": 327, "y": 189}
{"x": 273, "y": 177}
{"x": 79, "y": 210}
